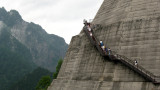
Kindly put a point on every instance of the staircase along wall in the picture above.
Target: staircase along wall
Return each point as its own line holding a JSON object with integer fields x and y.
{"x": 129, "y": 27}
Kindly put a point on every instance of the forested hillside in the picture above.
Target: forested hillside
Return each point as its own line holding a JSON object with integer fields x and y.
{"x": 46, "y": 49}
{"x": 29, "y": 81}
{"x": 15, "y": 60}
{"x": 25, "y": 46}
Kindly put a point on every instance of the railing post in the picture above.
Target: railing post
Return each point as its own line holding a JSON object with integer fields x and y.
{"x": 123, "y": 59}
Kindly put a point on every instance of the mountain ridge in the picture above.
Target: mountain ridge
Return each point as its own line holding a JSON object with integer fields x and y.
{"x": 25, "y": 46}
{"x": 43, "y": 46}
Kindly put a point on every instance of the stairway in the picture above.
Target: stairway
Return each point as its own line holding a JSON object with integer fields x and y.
{"x": 124, "y": 60}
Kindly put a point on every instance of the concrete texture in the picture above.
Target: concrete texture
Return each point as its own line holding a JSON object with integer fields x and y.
{"x": 96, "y": 85}
{"x": 129, "y": 27}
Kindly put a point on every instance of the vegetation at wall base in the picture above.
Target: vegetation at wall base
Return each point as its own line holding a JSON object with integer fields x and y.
{"x": 29, "y": 81}
{"x": 44, "y": 82}
{"x": 55, "y": 74}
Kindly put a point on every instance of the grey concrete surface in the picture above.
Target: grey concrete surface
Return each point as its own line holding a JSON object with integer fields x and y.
{"x": 129, "y": 27}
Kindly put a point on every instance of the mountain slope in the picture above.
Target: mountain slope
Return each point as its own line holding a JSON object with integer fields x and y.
{"x": 29, "y": 81}
{"x": 46, "y": 49}
{"x": 24, "y": 46}
{"x": 15, "y": 60}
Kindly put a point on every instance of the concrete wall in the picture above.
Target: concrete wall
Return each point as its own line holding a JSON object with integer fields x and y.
{"x": 129, "y": 27}
{"x": 137, "y": 39}
{"x": 83, "y": 65}
{"x": 132, "y": 28}
{"x": 83, "y": 62}
{"x": 96, "y": 85}
{"x": 112, "y": 11}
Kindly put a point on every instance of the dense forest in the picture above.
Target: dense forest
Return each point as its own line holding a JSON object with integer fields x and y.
{"x": 29, "y": 81}
{"x": 15, "y": 60}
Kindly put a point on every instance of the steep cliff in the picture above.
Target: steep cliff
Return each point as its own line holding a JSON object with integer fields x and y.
{"x": 15, "y": 59}
{"x": 24, "y": 46}
{"x": 129, "y": 27}
{"x": 46, "y": 49}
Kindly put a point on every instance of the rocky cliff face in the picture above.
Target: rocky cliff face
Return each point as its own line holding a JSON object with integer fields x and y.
{"x": 15, "y": 59}
{"x": 2, "y": 25}
{"x": 23, "y": 47}
{"x": 46, "y": 49}
{"x": 129, "y": 27}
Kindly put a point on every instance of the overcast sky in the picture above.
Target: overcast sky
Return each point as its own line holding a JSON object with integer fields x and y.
{"x": 60, "y": 17}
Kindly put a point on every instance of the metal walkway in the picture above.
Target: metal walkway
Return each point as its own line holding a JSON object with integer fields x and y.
{"x": 126, "y": 61}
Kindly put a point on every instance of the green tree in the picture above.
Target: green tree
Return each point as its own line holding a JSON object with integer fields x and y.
{"x": 55, "y": 74}
{"x": 46, "y": 80}
{"x": 30, "y": 81}
{"x": 43, "y": 83}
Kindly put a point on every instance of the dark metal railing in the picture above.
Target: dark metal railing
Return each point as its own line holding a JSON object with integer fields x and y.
{"x": 116, "y": 57}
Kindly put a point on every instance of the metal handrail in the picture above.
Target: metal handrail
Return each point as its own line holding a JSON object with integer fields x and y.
{"x": 121, "y": 58}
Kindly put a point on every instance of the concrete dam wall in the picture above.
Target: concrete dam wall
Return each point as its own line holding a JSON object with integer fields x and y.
{"x": 129, "y": 27}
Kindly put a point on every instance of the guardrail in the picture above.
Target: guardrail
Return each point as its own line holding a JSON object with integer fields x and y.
{"x": 116, "y": 57}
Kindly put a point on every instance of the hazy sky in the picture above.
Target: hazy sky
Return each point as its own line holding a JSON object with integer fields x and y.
{"x": 61, "y": 17}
